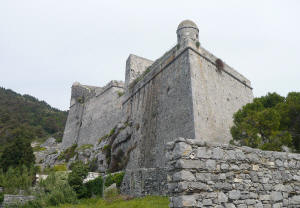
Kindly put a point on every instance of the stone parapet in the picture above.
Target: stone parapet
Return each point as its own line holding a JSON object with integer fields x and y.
{"x": 202, "y": 174}
{"x": 113, "y": 83}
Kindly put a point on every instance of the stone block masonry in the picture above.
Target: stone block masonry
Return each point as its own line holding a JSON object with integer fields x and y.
{"x": 204, "y": 174}
{"x": 187, "y": 92}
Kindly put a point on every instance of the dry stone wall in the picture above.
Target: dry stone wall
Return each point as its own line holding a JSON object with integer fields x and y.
{"x": 16, "y": 199}
{"x": 218, "y": 175}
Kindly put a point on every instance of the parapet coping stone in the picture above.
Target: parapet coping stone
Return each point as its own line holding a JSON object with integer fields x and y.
{"x": 201, "y": 143}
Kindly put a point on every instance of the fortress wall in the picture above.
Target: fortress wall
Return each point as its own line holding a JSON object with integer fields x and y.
{"x": 217, "y": 95}
{"x": 135, "y": 66}
{"x": 101, "y": 114}
{"x": 162, "y": 97}
{"x": 72, "y": 125}
{"x": 93, "y": 113}
{"x": 217, "y": 175}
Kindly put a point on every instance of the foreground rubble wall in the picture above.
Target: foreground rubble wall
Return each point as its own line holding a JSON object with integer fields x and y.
{"x": 218, "y": 175}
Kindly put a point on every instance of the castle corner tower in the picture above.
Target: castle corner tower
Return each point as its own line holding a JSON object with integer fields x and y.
{"x": 187, "y": 30}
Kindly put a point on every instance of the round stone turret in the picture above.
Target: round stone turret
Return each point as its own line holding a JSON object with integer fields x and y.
{"x": 187, "y": 31}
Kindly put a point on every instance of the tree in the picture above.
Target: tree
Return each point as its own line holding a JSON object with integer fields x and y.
{"x": 17, "y": 154}
{"x": 75, "y": 178}
{"x": 269, "y": 122}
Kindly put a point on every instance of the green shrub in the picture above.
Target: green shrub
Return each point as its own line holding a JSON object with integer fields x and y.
{"x": 120, "y": 94}
{"x": 52, "y": 191}
{"x": 111, "y": 132}
{"x": 116, "y": 178}
{"x": 102, "y": 138}
{"x": 84, "y": 147}
{"x": 1, "y": 197}
{"x": 109, "y": 180}
{"x": 80, "y": 99}
{"x": 75, "y": 179}
{"x": 107, "y": 151}
{"x": 38, "y": 169}
{"x": 139, "y": 78}
{"x": 93, "y": 165}
{"x": 68, "y": 153}
{"x": 94, "y": 187}
{"x": 17, "y": 178}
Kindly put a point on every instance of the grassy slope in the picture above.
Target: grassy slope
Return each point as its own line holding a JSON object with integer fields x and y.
{"x": 145, "y": 202}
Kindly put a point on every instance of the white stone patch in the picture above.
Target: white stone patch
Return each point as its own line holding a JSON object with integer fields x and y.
{"x": 91, "y": 176}
{"x": 255, "y": 167}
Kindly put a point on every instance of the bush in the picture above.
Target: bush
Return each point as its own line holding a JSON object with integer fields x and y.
{"x": 93, "y": 165}
{"x": 75, "y": 179}
{"x": 94, "y": 187}
{"x": 1, "y": 197}
{"x": 107, "y": 151}
{"x": 53, "y": 191}
{"x": 116, "y": 178}
{"x": 17, "y": 178}
{"x": 84, "y": 147}
{"x": 120, "y": 93}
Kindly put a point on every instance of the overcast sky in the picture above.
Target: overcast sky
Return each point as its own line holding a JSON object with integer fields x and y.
{"x": 46, "y": 45}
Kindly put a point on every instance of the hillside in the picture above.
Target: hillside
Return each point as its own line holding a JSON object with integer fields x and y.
{"x": 27, "y": 117}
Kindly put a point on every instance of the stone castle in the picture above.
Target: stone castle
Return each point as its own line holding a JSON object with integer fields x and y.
{"x": 187, "y": 92}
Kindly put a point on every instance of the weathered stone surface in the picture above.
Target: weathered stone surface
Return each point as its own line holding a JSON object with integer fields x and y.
{"x": 181, "y": 149}
{"x": 16, "y": 199}
{"x": 222, "y": 197}
{"x": 234, "y": 180}
{"x": 295, "y": 200}
{"x": 276, "y": 196}
{"x": 234, "y": 194}
{"x": 181, "y": 94}
{"x": 183, "y": 176}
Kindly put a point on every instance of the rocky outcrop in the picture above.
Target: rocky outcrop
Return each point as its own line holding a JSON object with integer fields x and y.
{"x": 110, "y": 153}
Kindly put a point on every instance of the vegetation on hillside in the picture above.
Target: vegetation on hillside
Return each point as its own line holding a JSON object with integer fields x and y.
{"x": 17, "y": 154}
{"x": 271, "y": 122}
{"x": 24, "y": 113}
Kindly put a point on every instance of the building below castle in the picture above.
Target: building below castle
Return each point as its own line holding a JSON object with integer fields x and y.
{"x": 187, "y": 92}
